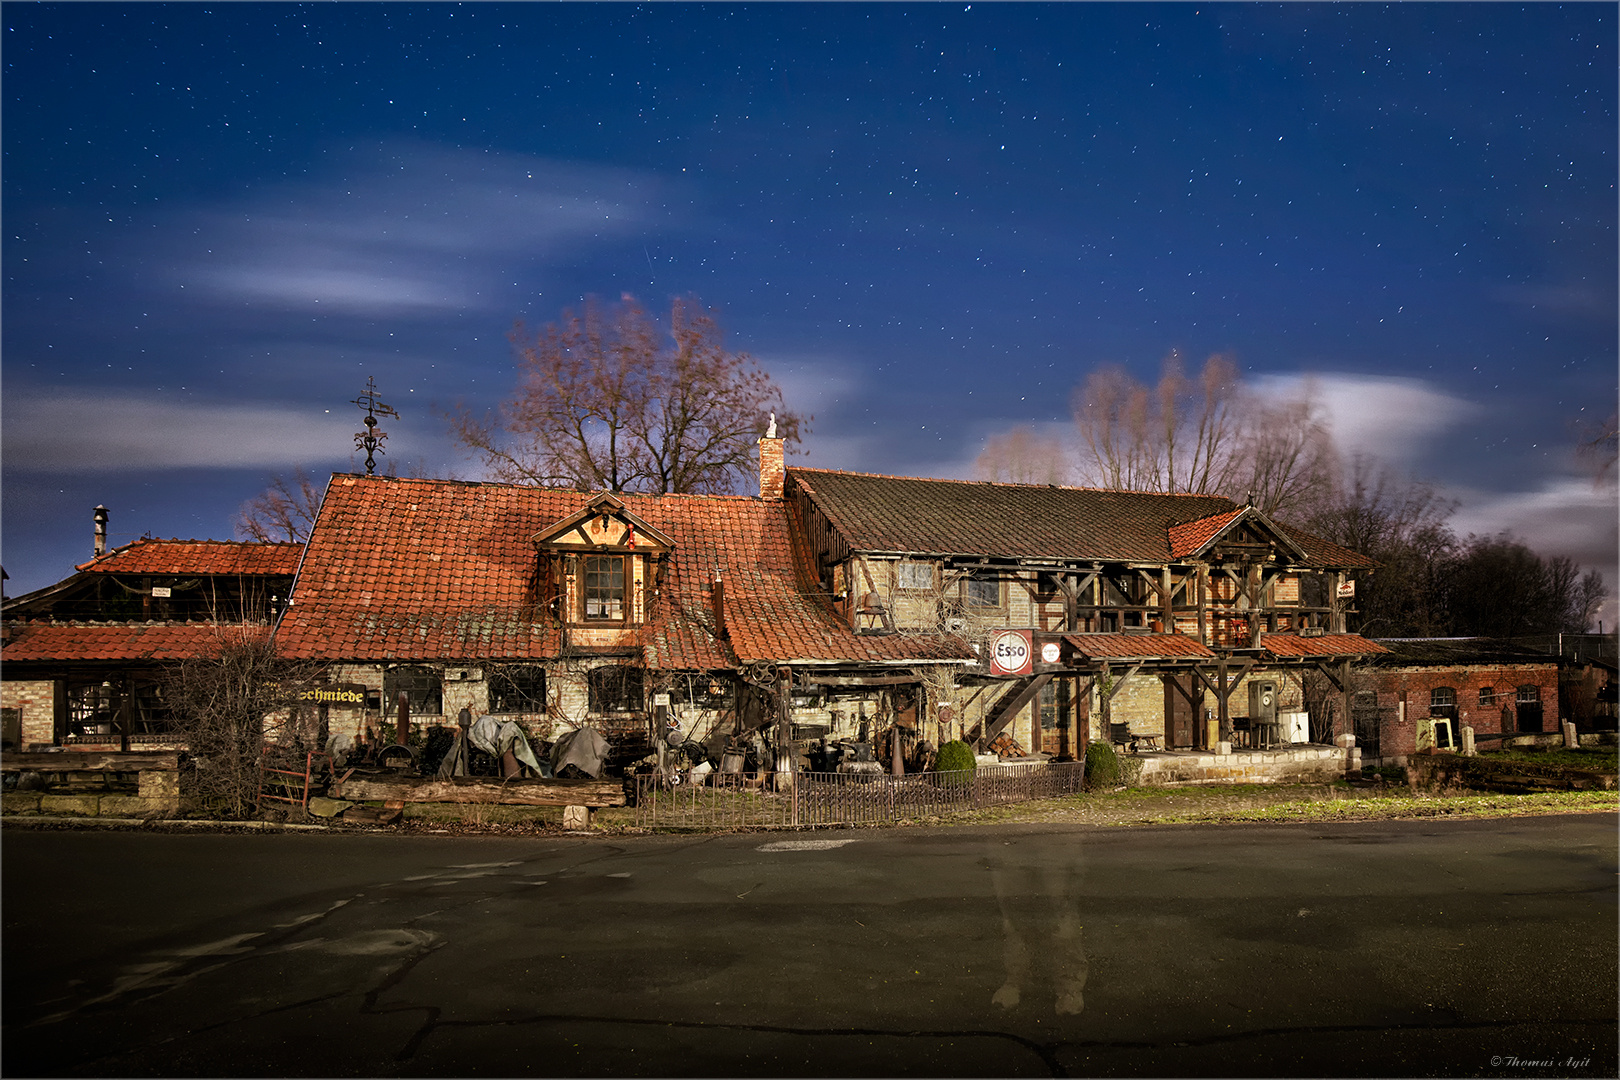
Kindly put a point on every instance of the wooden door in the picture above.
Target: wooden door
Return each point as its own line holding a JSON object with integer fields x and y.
{"x": 1180, "y": 717}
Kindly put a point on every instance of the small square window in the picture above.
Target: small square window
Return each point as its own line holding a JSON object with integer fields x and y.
{"x": 914, "y": 575}
{"x": 983, "y": 590}
{"x": 423, "y": 684}
{"x": 615, "y": 689}
{"x": 519, "y": 688}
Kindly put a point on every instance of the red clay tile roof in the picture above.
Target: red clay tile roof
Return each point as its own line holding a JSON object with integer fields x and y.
{"x": 118, "y": 641}
{"x": 908, "y": 516}
{"x": 1344, "y": 645}
{"x": 1188, "y": 537}
{"x": 198, "y": 557}
{"x": 439, "y": 570}
{"x": 1138, "y": 647}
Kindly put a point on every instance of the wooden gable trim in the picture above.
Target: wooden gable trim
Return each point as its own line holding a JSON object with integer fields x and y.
{"x": 561, "y": 535}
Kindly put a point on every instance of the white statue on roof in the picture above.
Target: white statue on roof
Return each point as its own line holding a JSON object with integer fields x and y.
{"x": 770, "y": 432}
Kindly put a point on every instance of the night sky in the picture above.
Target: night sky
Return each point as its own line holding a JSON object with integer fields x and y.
{"x": 928, "y": 222}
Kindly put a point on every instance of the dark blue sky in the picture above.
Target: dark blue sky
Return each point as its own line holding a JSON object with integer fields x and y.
{"x": 927, "y": 221}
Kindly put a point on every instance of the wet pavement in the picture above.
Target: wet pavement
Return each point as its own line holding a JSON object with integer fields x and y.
{"x": 1388, "y": 948}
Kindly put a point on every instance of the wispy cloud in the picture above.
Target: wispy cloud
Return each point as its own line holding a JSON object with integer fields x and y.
{"x": 126, "y": 433}
{"x": 407, "y": 227}
{"x": 1390, "y": 417}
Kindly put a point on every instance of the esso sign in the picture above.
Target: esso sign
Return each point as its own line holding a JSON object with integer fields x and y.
{"x": 1012, "y": 653}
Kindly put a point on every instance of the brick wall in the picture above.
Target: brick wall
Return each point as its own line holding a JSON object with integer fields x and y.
{"x": 772, "y": 474}
{"x": 36, "y": 701}
{"x": 1413, "y": 687}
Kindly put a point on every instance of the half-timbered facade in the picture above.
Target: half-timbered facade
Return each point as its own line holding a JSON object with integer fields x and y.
{"x": 1183, "y": 598}
{"x": 885, "y": 610}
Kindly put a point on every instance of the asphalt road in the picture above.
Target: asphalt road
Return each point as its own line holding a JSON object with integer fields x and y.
{"x": 1446, "y": 948}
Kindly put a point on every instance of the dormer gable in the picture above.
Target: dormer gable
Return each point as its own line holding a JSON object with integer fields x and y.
{"x": 1241, "y": 532}
{"x": 603, "y": 525}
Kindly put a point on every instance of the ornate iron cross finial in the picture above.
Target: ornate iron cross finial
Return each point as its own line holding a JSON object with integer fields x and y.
{"x": 371, "y": 440}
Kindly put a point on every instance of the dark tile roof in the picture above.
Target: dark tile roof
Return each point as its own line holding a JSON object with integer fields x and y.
{"x": 117, "y": 641}
{"x": 1450, "y": 652}
{"x": 908, "y": 516}
{"x": 440, "y": 570}
{"x": 246, "y": 558}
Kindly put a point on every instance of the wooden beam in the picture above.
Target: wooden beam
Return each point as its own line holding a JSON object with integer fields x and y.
{"x": 476, "y": 789}
{"x": 93, "y": 761}
{"x": 1008, "y": 706}
{"x": 1116, "y": 684}
{"x": 858, "y": 680}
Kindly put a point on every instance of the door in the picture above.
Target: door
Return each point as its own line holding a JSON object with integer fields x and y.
{"x": 1180, "y": 716}
{"x": 1364, "y": 711}
{"x": 1528, "y": 703}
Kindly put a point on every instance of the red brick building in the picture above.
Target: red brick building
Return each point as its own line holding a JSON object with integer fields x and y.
{"x": 1495, "y": 687}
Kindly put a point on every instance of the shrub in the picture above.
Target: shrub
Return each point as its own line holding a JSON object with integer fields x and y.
{"x": 1102, "y": 766}
{"x": 956, "y": 756}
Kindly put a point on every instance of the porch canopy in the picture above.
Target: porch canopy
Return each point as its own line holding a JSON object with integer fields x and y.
{"x": 1117, "y": 657}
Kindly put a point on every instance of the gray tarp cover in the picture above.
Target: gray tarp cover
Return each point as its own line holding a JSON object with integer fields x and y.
{"x": 585, "y": 749}
{"x": 495, "y": 738}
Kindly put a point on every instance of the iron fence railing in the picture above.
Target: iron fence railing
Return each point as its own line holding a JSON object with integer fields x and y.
{"x": 807, "y": 799}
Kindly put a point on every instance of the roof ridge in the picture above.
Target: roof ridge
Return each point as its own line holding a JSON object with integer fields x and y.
{"x": 511, "y": 485}
{"x": 1008, "y": 484}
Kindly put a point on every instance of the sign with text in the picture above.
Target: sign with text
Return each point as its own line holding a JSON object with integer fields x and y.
{"x": 1012, "y": 652}
{"x": 340, "y": 695}
{"x": 1347, "y": 590}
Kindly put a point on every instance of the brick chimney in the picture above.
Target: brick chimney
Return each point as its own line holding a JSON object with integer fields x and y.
{"x": 772, "y": 473}
{"x": 101, "y": 531}
{"x": 717, "y": 602}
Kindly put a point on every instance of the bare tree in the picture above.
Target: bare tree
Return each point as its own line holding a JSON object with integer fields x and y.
{"x": 605, "y": 400}
{"x": 1400, "y": 522}
{"x": 284, "y": 511}
{"x": 1180, "y": 435}
{"x": 1021, "y": 456}
{"x": 227, "y": 705}
{"x": 1285, "y": 461}
{"x": 1599, "y": 447}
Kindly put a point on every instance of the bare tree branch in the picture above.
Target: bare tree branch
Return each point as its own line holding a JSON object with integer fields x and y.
{"x": 604, "y": 401}
{"x": 285, "y": 511}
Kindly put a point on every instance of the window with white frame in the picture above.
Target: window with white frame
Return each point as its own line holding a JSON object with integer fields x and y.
{"x": 914, "y": 575}
{"x": 603, "y": 591}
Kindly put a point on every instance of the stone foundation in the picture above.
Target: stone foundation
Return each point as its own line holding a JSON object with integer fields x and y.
{"x": 1309, "y": 764}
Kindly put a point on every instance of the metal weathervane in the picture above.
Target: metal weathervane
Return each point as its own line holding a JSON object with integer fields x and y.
{"x": 371, "y": 440}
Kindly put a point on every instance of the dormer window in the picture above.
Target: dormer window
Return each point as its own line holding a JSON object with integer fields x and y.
{"x": 604, "y": 588}
{"x": 598, "y": 568}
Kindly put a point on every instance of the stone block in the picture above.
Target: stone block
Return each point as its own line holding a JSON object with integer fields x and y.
{"x": 576, "y": 817}
{"x": 132, "y": 806}
{"x": 70, "y": 805}
{"x": 20, "y": 802}
{"x": 323, "y": 807}
{"x": 159, "y": 784}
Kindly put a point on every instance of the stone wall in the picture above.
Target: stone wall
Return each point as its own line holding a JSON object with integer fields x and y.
{"x": 1306, "y": 765}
